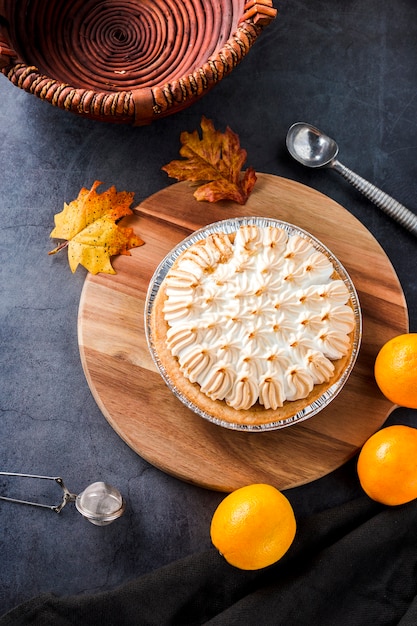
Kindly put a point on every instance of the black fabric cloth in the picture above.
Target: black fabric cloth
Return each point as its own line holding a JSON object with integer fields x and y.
{"x": 352, "y": 565}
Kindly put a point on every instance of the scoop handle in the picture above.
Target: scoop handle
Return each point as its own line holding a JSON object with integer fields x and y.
{"x": 382, "y": 200}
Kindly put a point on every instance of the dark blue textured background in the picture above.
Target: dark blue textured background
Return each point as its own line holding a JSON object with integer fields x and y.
{"x": 350, "y": 68}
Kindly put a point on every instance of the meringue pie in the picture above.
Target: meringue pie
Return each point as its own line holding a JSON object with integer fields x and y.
{"x": 253, "y": 326}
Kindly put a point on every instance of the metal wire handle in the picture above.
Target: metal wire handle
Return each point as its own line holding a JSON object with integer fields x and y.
{"x": 67, "y": 495}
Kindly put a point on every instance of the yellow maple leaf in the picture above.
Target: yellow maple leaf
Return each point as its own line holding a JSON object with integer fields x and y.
{"x": 89, "y": 226}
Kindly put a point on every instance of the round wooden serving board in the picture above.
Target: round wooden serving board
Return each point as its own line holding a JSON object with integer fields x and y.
{"x": 149, "y": 418}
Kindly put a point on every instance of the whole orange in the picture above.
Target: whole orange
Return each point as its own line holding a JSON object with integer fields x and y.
{"x": 253, "y": 526}
{"x": 396, "y": 370}
{"x": 387, "y": 465}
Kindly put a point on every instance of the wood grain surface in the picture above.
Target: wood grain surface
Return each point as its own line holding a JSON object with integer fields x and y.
{"x": 149, "y": 418}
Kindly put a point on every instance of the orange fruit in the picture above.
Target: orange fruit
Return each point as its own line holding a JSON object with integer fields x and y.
{"x": 253, "y": 526}
{"x": 387, "y": 465}
{"x": 396, "y": 370}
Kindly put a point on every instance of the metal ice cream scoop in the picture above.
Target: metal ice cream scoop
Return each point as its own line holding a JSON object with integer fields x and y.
{"x": 312, "y": 148}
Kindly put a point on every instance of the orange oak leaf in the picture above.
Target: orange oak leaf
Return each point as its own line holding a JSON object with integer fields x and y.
{"x": 216, "y": 158}
{"x": 89, "y": 224}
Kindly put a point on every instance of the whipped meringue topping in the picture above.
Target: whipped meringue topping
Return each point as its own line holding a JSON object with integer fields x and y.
{"x": 257, "y": 317}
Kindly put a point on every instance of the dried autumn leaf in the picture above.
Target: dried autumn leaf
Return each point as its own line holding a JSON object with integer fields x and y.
{"x": 216, "y": 158}
{"x": 89, "y": 226}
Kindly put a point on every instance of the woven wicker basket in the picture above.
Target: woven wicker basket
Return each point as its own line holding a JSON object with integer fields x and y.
{"x": 126, "y": 61}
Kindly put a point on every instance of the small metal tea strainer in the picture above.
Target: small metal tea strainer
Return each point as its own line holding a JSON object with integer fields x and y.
{"x": 100, "y": 503}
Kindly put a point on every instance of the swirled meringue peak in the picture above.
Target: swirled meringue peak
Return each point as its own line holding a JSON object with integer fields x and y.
{"x": 258, "y": 316}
